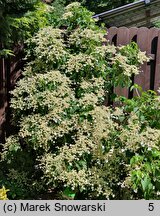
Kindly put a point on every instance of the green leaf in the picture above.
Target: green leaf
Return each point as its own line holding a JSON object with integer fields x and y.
{"x": 146, "y": 184}
{"x": 69, "y": 193}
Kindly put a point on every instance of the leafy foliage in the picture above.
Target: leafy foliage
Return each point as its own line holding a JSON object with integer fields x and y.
{"x": 67, "y": 140}
{"x": 12, "y": 6}
{"x": 145, "y": 105}
{"x": 19, "y": 21}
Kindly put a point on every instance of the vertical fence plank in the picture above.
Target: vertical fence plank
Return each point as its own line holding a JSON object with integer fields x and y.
{"x": 132, "y": 33}
{"x": 1, "y": 88}
{"x": 142, "y": 41}
{"x": 123, "y": 36}
{"x": 111, "y": 32}
{"x": 16, "y": 65}
{"x": 132, "y": 38}
{"x": 2, "y": 100}
{"x": 153, "y": 33}
{"x": 122, "y": 39}
{"x": 157, "y": 70}
{"x": 111, "y": 36}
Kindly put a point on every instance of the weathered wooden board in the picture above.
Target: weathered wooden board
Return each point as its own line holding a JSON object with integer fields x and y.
{"x": 148, "y": 41}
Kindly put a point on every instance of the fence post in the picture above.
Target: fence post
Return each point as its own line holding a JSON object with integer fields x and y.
{"x": 122, "y": 39}
{"x": 2, "y": 100}
{"x": 157, "y": 70}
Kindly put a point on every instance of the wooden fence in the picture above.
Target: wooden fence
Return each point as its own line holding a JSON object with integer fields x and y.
{"x": 147, "y": 39}
{"x": 3, "y": 100}
{"x": 10, "y": 71}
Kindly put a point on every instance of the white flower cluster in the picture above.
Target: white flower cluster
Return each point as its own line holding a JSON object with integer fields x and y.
{"x": 72, "y": 6}
{"x": 87, "y": 38}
